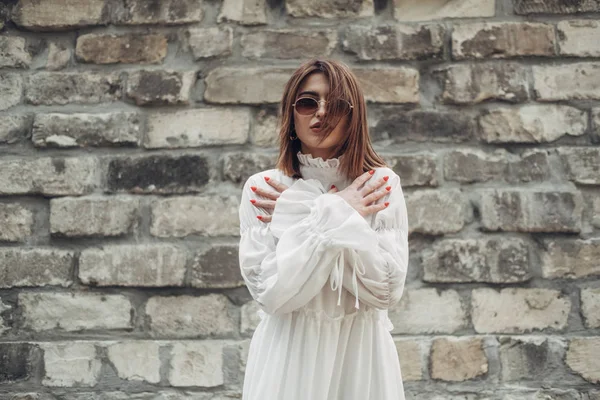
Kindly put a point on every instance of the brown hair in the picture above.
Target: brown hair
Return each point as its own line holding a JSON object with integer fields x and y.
{"x": 358, "y": 152}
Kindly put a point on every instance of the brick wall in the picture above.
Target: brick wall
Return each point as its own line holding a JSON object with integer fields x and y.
{"x": 127, "y": 128}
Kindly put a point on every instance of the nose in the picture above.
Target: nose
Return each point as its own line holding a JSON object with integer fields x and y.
{"x": 321, "y": 110}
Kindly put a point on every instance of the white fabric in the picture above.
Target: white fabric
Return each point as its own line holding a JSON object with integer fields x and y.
{"x": 315, "y": 340}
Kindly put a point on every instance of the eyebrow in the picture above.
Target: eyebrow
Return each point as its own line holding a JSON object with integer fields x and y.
{"x": 309, "y": 92}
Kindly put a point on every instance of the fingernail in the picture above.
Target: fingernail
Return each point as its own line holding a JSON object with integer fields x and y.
{"x": 259, "y": 217}
{"x": 252, "y": 201}
{"x": 332, "y": 186}
{"x": 387, "y": 203}
{"x": 372, "y": 171}
{"x": 253, "y": 188}
{"x": 385, "y": 178}
{"x": 267, "y": 178}
{"x": 388, "y": 188}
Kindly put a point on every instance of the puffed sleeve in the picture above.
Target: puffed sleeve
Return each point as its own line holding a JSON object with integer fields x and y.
{"x": 287, "y": 262}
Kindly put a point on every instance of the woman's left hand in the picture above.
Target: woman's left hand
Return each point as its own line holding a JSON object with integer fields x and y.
{"x": 268, "y": 205}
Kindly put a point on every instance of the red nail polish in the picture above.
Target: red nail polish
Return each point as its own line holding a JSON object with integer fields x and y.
{"x": 267, "y": 178}
{"x": 259, "y": 217}
{"x": 387, "y": 203}
{"x": 388, "y": 188}
{"x": 252, "y": 201}
{"x": 253, "y": 188}
{"x": 372, "y": 171}
{"x": 385, "y": 178}
{"x": 332, "y": 186}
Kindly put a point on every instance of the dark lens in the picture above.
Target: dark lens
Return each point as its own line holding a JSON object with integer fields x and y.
{"x": 306, "y": 105}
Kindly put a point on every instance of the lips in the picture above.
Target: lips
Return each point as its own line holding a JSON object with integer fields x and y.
{"x": 316, "y": 125}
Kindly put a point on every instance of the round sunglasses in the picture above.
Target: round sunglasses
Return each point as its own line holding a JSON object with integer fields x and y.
{"x": 308, "y": 106}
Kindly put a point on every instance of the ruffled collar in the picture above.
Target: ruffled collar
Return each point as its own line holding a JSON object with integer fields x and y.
{"x": 325, "y": 171}
{"x": 307, "y": 160}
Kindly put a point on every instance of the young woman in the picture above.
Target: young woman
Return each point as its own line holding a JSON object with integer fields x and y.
{"x": 324, "y": 250}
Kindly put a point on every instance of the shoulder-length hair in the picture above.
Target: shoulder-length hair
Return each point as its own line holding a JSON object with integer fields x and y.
{"x": 358, "y": 154}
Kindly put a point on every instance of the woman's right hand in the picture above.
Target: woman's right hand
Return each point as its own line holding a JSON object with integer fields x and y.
{"x": 361, "y": 193}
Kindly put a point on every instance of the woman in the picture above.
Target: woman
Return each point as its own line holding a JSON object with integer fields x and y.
{"x": 331, "y": 212}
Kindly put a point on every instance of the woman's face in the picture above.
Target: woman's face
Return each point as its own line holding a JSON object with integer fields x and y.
{"x": 316, "y": 85}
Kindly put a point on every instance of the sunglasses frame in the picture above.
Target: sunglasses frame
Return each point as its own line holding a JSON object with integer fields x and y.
{"x": 318, "y": 103}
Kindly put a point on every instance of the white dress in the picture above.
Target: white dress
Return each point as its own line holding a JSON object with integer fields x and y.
{"x": 323, "y": 277}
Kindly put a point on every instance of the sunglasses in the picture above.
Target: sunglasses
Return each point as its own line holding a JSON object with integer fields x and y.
{"x": 308, "y": 106}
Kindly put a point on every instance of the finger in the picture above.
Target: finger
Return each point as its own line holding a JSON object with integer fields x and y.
{"x": 264, "y": 218}
{"x": 333, "y": 189}
{"x": 266, "y": 204}
{"x": 358, "y": 182}
{"x": 280, "y": 187}
{"x": 265, "y": 193}
{"x": 376, "y": 208}
{"x": 377, "y": 195}
{"x": 372, "y": 186}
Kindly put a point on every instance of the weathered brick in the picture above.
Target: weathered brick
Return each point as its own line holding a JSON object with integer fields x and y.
{"x": 168, "y": 12}
{"x": 198, "y": 127}
{"x": 475, "y": 83}
{"x": 59, "y": 56}
{"x": 51, "y": 15}
{"x": 123, "y": 48}
{"x": 149, "y": 265}
{"x": 210, "y": 42}
{"x": 467, "y": 165}
{"x": 530, "y": 358}
{"x": 16, "y": 222}
{"x": 190, "y": 317}
{"x": 451, "y": 203}
{"x": 533, "y": 165}
{"x": 217, "y": 267}
{"x": 555, "y": 6}
{"x": 249, "y": 85}
{"x": 564, "y": 82}
{"x": 49, "y": 88}
{"x": 35, "y": 267}
{"x": 426, "y": 311}
{"x": 197, "y": 364}
{"x": 15, "y": 362}
{"x": 579, "y": 38}
{"x": 83, "y": 130}
{"x": 158, "y": 174}
{"x": 56, "y": 176}
{"x": 14, "y": 52}
{"x": 238, "y": 167}
{"x": 411, "y": 359}
{"x": 249, "y": 12}
{"x": 416, "y": 169}
{"x": 14, "y": 128}
{"x": 190, "y": 215}
{"x": 502, "y": 40}
{"x": 491, "y": 260}
{"x": 517, "y": 310}
{"x": 531, "y": 210}
{"x": 596, "y": 124}
{"x": 532, "y": 123}
{"x": 590, "y": 307}
{"x": 11, "y": 90}
{"x": 571, "y": 258}
{"x": 160, "y": 87}
{"x": 265, "y": 129}
{"x": 582, "y": 164}
{"x": 583, "y": 356}
{"x": 337, "y": 9}
{"x": 70, "y": 363}
{"x": 5, "y": 326}
{"x": 389, "y": 85}
{"x": 107, "y": 216}
{"x": 288, "y": 43}
{"x": 595, "y": 207}
{"x": 250, "y": 317}
{"x": 75, "y": 311}
{"x": 419, "y": 10}
{"x": 136, "y": 360}
{"x": 458, "y": 359}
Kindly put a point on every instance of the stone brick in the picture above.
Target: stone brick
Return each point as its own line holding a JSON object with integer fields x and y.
{"x": 108, "y": 216}
{"x": 190, "y": 317}
{"x": 238, "y": 167}
{"x": 590, "y": 307}
{"x": 56, "y": 176}
{"x": 583, "y": 357}
{"x": 248, "y": 85}
{"x": 582, "y": 164}
{"x": 265, "y": 130}
{"x": 451, "y": 203}
{"x": 217, "y": 267}
{"x": 476, "y": 83}
{"x": 210, "y": 42}
{"x": 71, "y": 363}
{"x": 532, "y": 123}
{"x": 50, "y": 88}
{"x": 490, "y": 260}
{"x": 458, "y": 359}
{"x": 555, "y": 6}
{"x": 571, "y": 258}
{"x": 51, "y": 15}
{"x": 533, "y": 358}
{"x": 596, "y": 124}
{"x": 416, "y": 169}
{"x": 197, "y": 128}
{"x": 411, "y": 360}
{"x": 14, "y": 128}
{"x": 579, "y": 81}
{"x": 530, "y": 210}
{"x": 251, "y": 12}
{"x": 136, "y": 360}
{"x": 59, "y": 56}
{"x": 123, "y": 48}
{"x": 517, "y": 310}
{"x": 197, "y": 364}
{"x": 16, "y": 222}
{"x": 502, "y": 40}
{"x": 14, "y": 53}
{"x": 250, "y": 317}
{"x": 532, "y": 166}
{"x": 579, "y": 38}
{"x": 288, "y": 43}
{"x": 83, "y": 130}
{"x": 595, "y": 211}
{"x": 426, "y": 311}
{"x": 43, "y": 267}
{"x": 15, "y": 362}
{"x": 158, "y": 173}
{"x": 75, "y": 311}
{"x": 160, "y": 87}
{"x": 467, "y": 165}
{"x": 190, "y": 215}
{"x": 389, "y": 85}
{"x": 394, "y": 42}
{"x": 4, "y": 325}
{"x": 422, "y": 10}
{"x": 167, "y": 12}
{"x": 337, "y": 9}
{"x": 11, "y": 90}
{"x": 149, "y": 265}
